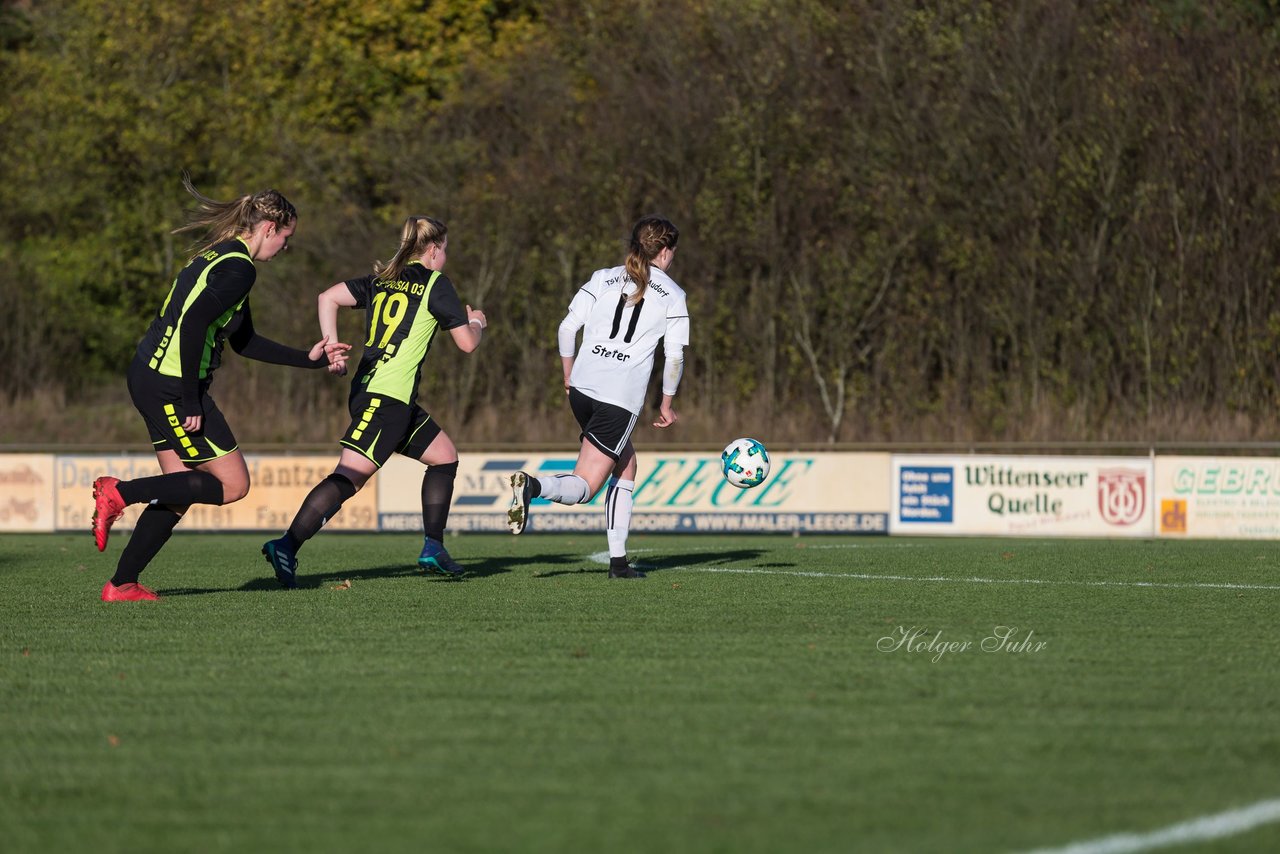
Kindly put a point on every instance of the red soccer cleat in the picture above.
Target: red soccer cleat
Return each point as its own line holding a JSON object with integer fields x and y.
{"x": 108, "y": 506}
{"x": 131, "y": 592}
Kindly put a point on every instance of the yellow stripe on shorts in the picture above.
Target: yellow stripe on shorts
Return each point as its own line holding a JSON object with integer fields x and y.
{"x": 365, "y": 418}
{"x": 178, "y": 432}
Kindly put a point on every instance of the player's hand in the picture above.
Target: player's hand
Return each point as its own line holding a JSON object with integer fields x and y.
{"x": 337, "y": 353}
{"x": 318, "y": 349}
{"x": 334, "y": 351}
{"x": 666, "y": 417}
{"x": 192, "y": 414}
{"x": 476, "y": 317}
{"x": 329, "y": 349}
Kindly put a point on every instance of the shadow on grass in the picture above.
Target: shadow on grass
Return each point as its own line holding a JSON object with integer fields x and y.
{"x": 658, "y": 564}
{"x": 582, "y": 570}
{"x": 476, "y": 570}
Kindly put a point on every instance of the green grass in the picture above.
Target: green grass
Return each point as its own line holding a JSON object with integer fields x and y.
{"x": 540, "y": 706}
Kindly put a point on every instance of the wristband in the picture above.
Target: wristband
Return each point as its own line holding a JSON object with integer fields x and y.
{"x": 477, "y": 322}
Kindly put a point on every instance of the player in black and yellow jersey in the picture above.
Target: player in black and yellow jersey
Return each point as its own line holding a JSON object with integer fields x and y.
{"x": 406, "y": 302}
{"x": 173, "y": 367}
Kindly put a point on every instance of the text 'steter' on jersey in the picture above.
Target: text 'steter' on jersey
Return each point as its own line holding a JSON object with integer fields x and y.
{"x": 221, "y": 278}
{"x": 618, "y": 339}
{"x": 401, "y": 317}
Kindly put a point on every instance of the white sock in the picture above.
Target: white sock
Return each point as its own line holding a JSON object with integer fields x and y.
{"x": 617, "y": 515}
{"x": 565, "y": 489}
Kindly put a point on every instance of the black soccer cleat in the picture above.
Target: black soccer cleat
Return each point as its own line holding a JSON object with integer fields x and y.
{"x": 619, "y": 568}
{"x": 521, "y": 495}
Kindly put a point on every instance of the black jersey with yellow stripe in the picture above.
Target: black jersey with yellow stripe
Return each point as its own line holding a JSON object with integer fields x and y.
{"x": 402, "y": 316}
{"x": 211, "y": 288}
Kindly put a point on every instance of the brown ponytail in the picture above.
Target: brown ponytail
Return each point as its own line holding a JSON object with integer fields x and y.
{"x": 650, "y": 236}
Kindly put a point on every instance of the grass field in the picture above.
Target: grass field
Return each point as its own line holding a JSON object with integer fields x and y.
{"x": 750, "y": 695}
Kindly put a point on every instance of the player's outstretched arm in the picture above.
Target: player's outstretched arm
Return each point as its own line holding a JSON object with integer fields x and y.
{"x": 246, "y": 341}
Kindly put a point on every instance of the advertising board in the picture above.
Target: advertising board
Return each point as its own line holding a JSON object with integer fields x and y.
{"x": 1218, "y": 497}
{"x": 1022, "y": 496}
{"x": 26, "y": 492}
{"x": 674, "y": 492}
{"x": 277, "y": 485}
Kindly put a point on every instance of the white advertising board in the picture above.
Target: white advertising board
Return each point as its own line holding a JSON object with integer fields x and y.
{"x": 675, "y": 492}
{"x": 1022, "y": 496}
{"x": 1218, "y": 497}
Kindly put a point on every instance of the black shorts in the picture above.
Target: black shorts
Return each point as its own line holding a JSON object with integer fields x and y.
{"x": 159, "y": 399}
{"x": 604, "y": 425}
{"x": 382, "y": 426}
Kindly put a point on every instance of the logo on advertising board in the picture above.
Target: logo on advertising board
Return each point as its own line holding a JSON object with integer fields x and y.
{"x": 678, "y": 491}
{"x": 490, "y": 490}
{"x": 1122, "y": 495}
{"x": 26, "y": 493}
{"x": 926, "y": 494}
{"x": 1173, "y": 516}
{"x": 674, "y": 482}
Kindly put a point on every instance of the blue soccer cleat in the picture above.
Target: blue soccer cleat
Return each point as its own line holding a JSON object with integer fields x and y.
{"x": 435, "y": 560}
{"x": 283, "y": 560}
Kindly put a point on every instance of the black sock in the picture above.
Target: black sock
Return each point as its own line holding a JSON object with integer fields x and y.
{"x": 154, "y": 527}
{"x": 178, "y": 488}
{"x": 321, "y": 504}
{"x": 437, "y": 492}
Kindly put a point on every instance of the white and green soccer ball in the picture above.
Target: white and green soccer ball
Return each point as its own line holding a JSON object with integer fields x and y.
{"x": 745, "y": 463}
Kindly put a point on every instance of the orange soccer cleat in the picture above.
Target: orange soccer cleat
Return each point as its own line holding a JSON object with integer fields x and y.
{"x": 129, "y": 592}
{"x": 108, "y": 506}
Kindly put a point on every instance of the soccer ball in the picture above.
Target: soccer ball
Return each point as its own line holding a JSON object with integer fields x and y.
{"x": 745, "y": 463}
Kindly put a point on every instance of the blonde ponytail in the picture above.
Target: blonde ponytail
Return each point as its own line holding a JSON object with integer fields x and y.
{"x": 224, "y": 220}
{"x": 417, "y": 235}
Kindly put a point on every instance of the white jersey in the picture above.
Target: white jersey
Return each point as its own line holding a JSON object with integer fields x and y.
{"x": 616, "y": 357}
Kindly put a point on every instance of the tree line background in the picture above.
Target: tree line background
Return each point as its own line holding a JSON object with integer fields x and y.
{"x": 953, "y": 220}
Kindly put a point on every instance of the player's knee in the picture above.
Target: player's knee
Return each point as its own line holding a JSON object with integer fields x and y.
{"x": 356, "y": 478}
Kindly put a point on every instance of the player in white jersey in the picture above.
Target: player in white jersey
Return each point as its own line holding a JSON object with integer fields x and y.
{"x": 623, "y": 313}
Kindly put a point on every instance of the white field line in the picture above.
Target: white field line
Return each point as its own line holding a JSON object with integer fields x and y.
{"x": 603, "y": 558}
{"x": 1217, "y": 826}
{"x": 865, "y": 546}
